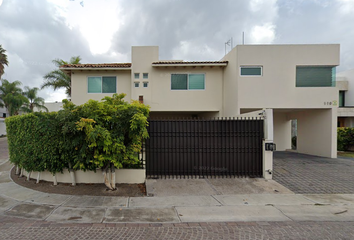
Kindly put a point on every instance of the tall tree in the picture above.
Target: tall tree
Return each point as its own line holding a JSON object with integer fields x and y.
{"x": 33, "y": 100}
{"x": 58, "y": 79}
{"x": 11, "y": 96}
{"x": 3, "y": 60}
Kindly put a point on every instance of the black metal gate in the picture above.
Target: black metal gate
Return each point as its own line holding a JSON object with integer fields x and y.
{"x": 194, "y": 147}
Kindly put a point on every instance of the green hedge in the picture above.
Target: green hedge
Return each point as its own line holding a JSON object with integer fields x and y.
{"x": 345, "y": 138}
{"x": 86, "y": 137}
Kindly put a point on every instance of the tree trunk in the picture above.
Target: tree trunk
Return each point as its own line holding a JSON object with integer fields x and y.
{"x": 17, "y": 170}
{"x": 38, "y": 177}
{"x": 113, "y": 177}
{"x": 106, "y": 178}
{"x": 21, "y": 173}
{"x": 55, "y": 180}
{"x": 28, "y": 175}
{"x": 72, "y": 175}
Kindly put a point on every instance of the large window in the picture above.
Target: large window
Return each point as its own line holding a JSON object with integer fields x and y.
{"x": 315, "y": 76}
{"x": 251, "y": 70}
{"x": 187, "y": 81}
{"x": 102, "y": 84}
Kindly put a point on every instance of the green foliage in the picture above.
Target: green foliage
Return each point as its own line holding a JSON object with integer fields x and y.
{"x": 345, "y": 138}
{"x": 33, "y": 100}
{"x": 11, "y": 96}
{"x": 57, "y": 78}
{"x": 3, "y": 60}
{"x": 87, "y": 137}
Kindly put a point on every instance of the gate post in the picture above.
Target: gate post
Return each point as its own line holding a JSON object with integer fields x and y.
{"x": 268, "y": 138}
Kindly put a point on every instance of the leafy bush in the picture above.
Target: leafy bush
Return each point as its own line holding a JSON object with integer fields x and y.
{"x": 86, "y": 137}
{"x": 345, "y": 138}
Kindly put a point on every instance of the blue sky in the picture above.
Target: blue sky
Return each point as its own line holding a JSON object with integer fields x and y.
{"x": 36, "y": 31}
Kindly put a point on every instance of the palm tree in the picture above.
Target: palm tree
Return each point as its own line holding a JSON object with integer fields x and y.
{"x": 3, "y": 60}
{"x": 11, "y": 96}
{"x": 57, "y": 78}
{"x": 34, "y": 100}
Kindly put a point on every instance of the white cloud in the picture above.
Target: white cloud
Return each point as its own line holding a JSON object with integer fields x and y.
{"x": 97, "y": 20}
{"x": 56, "y": 96}
{"x": 346, "y": 6}
{"x": 263, "y": 33}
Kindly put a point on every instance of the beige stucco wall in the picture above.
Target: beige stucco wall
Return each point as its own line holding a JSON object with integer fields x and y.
{"x": 130, "y": 176}
{"x": 316, "y": 132}
{"x": 159, "y": 96}
{"x": 79, "y": 85}
{"x": 276, "y": 88}
{"x": 282, "y": 131}
{"x": 230, "y": 85}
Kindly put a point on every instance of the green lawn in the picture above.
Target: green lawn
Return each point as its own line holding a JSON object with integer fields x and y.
{"x": 346, "y": 154}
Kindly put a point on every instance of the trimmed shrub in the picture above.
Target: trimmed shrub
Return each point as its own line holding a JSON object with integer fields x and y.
{"x": 86, "y": 137}
{"x": 345, "y": 138}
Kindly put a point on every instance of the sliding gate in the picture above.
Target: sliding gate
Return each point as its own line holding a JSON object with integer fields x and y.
{"x": 194, "y": 147}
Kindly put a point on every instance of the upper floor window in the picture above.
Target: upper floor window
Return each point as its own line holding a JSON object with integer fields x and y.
{"x": 315, "y": 76}
{"x": 187, "y": 81}
{"x": 136, "y": 84}
{"x": 145, "y": 75}
{"x": 341, "y": 98}
{"x": 251, "y": 70}
{"x": 102, "y": 84}
{"x": 136, "y": 75}
{"x": 145, "y": 84}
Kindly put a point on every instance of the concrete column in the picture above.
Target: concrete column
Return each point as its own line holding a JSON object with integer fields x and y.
{"x": 268, "y": 138}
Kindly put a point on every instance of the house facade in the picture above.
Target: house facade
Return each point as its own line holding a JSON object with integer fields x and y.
{"x": 345, "y": 87}
{"x": 296, "y": 81}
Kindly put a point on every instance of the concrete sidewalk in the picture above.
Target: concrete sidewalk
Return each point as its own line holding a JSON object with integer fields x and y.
{"x": 21, "y": 202}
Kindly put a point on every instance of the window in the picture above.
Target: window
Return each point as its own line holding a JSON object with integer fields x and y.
{"x": 136, "y": 84}
{"x": 341, "y": 98}
{"x": 102, "y": 85}
{"x": 145, "y": 75}
{"x": 315, "y": 76}
{"x": 145, "y": 84}
{"x": 136, "y": 75}
{"x": 251, "y": 70}
{"x": 187, "y": 81}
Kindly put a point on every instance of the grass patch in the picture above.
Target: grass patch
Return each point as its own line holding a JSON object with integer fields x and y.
{"x": 346, "y": 154}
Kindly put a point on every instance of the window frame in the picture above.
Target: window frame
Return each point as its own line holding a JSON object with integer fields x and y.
{"x": 87, "y": 81}
{"x": 251, "y": 66}
{"x": 204, "y": 74}
{"x": 147, "y": 84}
{"x": 135, "y": 83}
{"x": 136, "y": 75}
{"x": 145, "y": 75}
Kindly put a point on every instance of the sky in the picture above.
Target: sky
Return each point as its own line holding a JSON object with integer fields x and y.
{"x": 34, "y": 32}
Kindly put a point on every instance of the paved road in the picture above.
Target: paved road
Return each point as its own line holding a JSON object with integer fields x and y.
{"x": 314, "y": 175}
{"x": 15, "y": 228}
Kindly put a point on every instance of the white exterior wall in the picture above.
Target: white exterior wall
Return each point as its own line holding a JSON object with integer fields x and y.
{"x": 276, "y": 87}
{"x": 282, "y": 131}
{"x": 316, "y": 132}
{"x": 79, "y": 85}
{"x": 130, "y": 176}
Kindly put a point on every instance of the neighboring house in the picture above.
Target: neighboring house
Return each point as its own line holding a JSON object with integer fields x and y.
{"x": 53, "y": 106}
{"x": 345, "y": 86}
{"x": 296, "y": 81}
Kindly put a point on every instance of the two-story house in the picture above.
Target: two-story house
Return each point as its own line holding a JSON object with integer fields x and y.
{"x": 296, "y": 81}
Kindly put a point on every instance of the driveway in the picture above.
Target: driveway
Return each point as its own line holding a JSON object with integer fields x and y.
{"x": 310, "y": 174}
